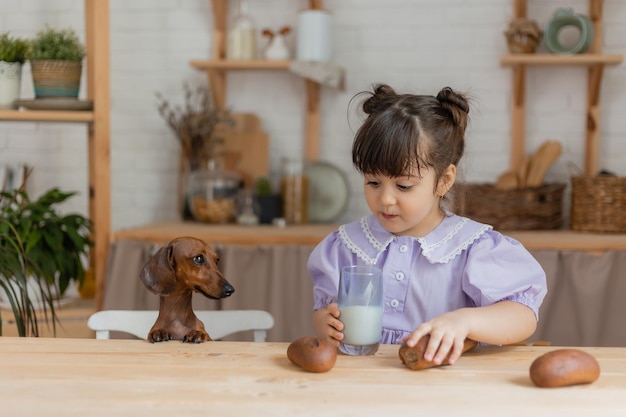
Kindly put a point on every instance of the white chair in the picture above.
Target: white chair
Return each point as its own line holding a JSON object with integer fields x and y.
{"x": 218, "y": 323}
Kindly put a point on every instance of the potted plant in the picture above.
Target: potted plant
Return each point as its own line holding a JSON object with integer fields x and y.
{"x": 40, "y": 249}
{"x": 56, "y": 57}
{"x": 12, "y": 56}
{"x": 269, "y": 203}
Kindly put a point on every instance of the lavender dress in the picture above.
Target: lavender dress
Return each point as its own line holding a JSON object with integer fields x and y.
{"x": 462, "y": 263}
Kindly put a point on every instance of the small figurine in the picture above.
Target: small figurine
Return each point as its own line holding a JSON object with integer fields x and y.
{"x": 277, "y": 49}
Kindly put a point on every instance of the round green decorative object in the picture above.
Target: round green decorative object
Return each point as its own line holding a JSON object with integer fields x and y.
{"x": 563, "y": 18}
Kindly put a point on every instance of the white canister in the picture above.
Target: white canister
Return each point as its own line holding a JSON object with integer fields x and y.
{"x": 10, "y": 82}
{"x": 314, "y": 36}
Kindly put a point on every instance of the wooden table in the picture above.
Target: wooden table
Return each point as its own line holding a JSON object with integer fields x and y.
{"x": 88, "y": 377}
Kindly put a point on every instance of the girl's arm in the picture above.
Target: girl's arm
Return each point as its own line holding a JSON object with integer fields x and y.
{"x": 501, "y": 323}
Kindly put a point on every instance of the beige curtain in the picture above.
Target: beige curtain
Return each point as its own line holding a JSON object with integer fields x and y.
{"x": 584, "y": 307}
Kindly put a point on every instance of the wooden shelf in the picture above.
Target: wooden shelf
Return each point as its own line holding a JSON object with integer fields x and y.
{"x": 46, "y": 116}
{"x": 595, "y": 60}
{"x": 161, "y": 233}
{"x": 217, "y": 68}
{"x": 229, "y": 65}
{"x": 72, "y": 321}
{"x": 312, "y": 234}
{"x": 556, "y": 60}
{"x": 98, "y": 133}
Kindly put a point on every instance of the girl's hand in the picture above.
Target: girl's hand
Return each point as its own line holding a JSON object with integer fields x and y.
{"x": 327, "y": 324}
{"x": 447, "y": 335}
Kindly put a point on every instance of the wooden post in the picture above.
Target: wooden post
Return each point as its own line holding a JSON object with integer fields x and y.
{"x": 519, "y": 8}
{"x": 311, "y": 151}
{"x": 594, "y": 83}
{"x": 518, "y": 102}
{"x": 312, "y": 122}
{"x": 518, "y": 117}
{"x": 98, "y": 75}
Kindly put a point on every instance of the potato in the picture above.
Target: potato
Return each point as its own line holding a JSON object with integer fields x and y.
{"x": 413, "y": 357}
{"x": 563, "y": 367}
{"x": 312, "y": 354}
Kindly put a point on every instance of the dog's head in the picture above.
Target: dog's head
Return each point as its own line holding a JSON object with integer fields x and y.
{"x": 186, "y": 263}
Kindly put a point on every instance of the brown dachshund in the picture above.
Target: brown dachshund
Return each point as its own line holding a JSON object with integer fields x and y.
{"x": 185, "y": 265}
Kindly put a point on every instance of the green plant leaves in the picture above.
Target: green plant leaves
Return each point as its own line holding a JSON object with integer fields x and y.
{"x": 12, "y": 49}
{"x": 37, "y": 242}
{"x": 56, "y": 44}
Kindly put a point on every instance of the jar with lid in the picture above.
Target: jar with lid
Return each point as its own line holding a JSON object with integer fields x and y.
{"x": 295, "y": 191}
{"x": 241, "y": 40}
{"x": 248, "y": 209}
{"x": 212, "y": 194}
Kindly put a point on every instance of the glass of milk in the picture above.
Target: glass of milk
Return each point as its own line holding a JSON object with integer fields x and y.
{"x": 360, "y": 302}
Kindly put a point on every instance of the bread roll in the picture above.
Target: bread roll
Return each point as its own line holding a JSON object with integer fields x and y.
{"x": 563, "y": 367}
{"x": 312, "y": 354}
{"x": 413, "y": 357}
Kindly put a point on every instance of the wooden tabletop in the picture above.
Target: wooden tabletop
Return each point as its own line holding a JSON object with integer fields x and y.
{"x": 312, "y": 234}
{"x": 88, "y": 377}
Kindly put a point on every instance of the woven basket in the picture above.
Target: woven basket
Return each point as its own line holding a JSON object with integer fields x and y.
{"x": 598, "y": 204}
{"x": 537, "y": 208}
{"x": 56, "y": 78}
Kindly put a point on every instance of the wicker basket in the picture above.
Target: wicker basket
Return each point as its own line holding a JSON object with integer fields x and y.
{"x": 521, "y": 44}
{"x": 56, "y": 78}
{"x": 598, "y": 204}
{"x": 537, "y": 208}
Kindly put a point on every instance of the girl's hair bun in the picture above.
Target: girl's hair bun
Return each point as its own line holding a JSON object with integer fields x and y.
{"x": 380, "y": 99}
{"x": 456, "y": 104}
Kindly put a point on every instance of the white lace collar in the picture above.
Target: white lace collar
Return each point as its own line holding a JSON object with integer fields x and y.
{"x": 367, "y": 239}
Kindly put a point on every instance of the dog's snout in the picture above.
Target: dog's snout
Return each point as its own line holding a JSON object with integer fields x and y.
{"x": 228, "y": 290}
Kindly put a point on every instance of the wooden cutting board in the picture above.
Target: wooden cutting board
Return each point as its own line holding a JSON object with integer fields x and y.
{"x": 245, "y": 147}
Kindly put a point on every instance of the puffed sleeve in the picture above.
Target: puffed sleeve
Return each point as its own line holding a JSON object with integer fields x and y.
{"x": 324, "y": 266}
{"x": 499, "y": 268}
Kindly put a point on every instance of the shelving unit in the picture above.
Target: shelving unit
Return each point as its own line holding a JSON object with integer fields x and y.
{"x": 97, "y": 120}
{"x": 218, "y": 67}
{"x": 595, "y": 60}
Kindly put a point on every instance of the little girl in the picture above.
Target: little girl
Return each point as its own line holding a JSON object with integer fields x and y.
{"x": 444, "y": 275}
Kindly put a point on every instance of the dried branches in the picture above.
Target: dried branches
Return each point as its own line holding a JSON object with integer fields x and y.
{"x": 194, "y": 124}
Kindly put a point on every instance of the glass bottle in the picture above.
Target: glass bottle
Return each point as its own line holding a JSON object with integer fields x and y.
{"x": 247, "y": 209}
{"x": 295, "y": 191}
{"x": 241, "y": 34}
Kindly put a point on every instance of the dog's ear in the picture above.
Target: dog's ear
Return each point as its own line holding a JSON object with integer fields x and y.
{"x": 158, "y": 273}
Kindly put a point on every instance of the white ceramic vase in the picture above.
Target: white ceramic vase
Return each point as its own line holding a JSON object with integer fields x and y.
{"x": 10, "y": 82}
{"x": 35, "y": 296}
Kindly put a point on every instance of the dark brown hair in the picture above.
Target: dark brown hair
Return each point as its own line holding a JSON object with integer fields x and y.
{"x": 404, "y": 133}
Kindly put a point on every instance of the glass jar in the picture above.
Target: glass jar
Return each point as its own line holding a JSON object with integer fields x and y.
{"x": 212, "y": 194}
{"x": 247, "y": 209}
{"x": 241, "y": 43}
{"x": 295, "y": 191}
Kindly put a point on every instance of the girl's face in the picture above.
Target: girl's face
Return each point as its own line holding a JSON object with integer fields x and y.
{"x": 407, "y": 205}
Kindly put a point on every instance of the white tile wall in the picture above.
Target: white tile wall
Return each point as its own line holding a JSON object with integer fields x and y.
{"x": 414, "y": 45}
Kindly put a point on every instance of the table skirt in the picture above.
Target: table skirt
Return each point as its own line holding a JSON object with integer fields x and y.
{"x": 584, "y": 306}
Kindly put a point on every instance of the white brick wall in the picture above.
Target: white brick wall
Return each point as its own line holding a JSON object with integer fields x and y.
{"x": 414, "y": 45}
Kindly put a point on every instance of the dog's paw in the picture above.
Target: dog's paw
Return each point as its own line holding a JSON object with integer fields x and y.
{"x": 196, "y": 336}
{"x": 159, "y": 335}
